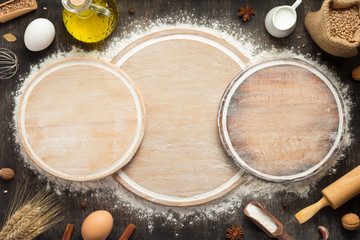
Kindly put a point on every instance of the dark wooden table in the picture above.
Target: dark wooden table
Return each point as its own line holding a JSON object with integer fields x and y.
{"x": 214, "y": 228}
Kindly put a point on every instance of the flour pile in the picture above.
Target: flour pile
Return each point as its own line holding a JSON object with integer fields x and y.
{"x": 230, "y": 202}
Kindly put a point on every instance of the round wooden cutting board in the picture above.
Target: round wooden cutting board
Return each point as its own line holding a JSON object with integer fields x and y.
{"x": 182, "y": 75}
{"x": 281, "y": 120}
{"x": 81, "y": 119}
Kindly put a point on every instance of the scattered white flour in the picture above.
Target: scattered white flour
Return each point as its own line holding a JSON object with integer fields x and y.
{"x": 261, "y": 217}
{"x": 110, "y": 190}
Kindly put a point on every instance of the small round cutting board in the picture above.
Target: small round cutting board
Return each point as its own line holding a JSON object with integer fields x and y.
{"x": 81, "y": 119}
{"x": 281, "y": 120}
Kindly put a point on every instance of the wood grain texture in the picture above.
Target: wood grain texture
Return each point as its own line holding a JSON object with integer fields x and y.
{"x": 196, "y": 226}
{"x": 281, "y": 120}
{"x": 182, "y": 75}
{"x": 81, "y": 119}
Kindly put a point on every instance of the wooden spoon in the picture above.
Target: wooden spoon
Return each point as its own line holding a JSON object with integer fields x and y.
{"x": 266, "y": 221}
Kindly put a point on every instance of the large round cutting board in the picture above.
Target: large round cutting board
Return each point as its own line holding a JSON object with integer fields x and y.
{"x": 281, "y": 120}
{"x": 182, "y": 75}
{"x": 81, "y": 119}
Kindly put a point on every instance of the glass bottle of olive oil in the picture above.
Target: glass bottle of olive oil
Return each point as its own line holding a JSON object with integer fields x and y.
{"x": 90, "y": 20}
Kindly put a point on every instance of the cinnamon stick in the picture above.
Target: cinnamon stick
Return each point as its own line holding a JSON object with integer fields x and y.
{"x": 68, "y": 231}
{"x": 128, "y": 232}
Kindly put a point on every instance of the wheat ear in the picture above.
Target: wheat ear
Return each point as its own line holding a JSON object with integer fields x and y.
{"x": 36, "y": 233}
{"x": 40, "y": 213}
{"x": 20, "y": 230}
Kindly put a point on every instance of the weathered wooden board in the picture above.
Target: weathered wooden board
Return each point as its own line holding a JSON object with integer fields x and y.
{"x": 182, "y": 75}
{"x": 281, "y": 120}
{"x": 81, "y": 119}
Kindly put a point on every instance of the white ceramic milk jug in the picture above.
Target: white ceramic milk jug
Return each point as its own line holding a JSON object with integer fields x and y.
{"x": 280, "y": 21}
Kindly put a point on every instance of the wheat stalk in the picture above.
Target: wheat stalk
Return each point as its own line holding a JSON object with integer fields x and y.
{"x": 32, "y": 228}
{"x": 32, "y": 231}
{"x": 34, "y": 234}
{"x": 13, "y": 220}
{"x": 34, "y": 216}
{"x": 20, "y": 231}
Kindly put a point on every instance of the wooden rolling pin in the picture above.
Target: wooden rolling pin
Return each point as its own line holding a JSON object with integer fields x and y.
{"x": 335, "y": 195}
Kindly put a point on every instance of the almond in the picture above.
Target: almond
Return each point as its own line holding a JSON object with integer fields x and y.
{"x": 7, "y": 173}
{"x": 9, "y": 37}
{"x": 356, "y": 73}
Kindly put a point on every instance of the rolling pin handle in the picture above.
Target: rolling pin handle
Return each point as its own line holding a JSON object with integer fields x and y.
{"x": 285, "y": 236}
{"x": 311, "y": 210}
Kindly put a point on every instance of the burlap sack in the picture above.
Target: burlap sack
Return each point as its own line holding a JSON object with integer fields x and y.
{"x": 318, "y": 24}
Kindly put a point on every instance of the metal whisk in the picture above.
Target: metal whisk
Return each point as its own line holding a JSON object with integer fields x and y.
{"x": 8, "y": 63}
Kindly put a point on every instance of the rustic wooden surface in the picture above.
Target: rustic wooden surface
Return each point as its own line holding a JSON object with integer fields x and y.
{"x": 147, "y": 11}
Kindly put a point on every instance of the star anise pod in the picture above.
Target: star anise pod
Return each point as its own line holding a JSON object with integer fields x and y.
{"x": 246, "y": 12}
{"x": 234, "y": 233}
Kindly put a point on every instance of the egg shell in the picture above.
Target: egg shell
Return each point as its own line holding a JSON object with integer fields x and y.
{"x": 39, "y": 34}
{"x": 97, "y": 226}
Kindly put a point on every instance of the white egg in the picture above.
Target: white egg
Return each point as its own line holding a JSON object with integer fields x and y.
{"x": 39, "y": 34}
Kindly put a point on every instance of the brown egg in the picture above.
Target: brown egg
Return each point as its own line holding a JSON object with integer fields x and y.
{"x": 97, "y": 226}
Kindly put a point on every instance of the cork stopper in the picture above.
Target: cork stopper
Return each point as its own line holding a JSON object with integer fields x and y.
{"x": 77, "y": 3}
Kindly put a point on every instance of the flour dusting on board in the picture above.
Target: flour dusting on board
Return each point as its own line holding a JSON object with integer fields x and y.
{"x": 231, "y": 202}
